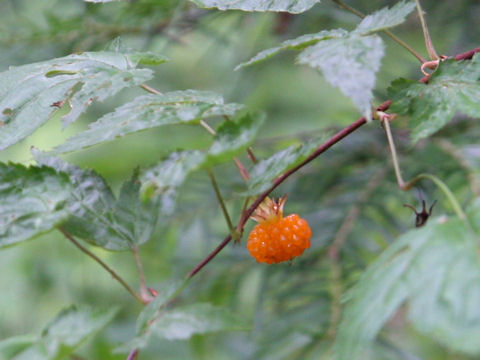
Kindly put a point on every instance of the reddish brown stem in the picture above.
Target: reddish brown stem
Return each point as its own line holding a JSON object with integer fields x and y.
{"x": 464, "y": 56}
{"x": 321, "y": 149}
{"x": 467, "y": 55}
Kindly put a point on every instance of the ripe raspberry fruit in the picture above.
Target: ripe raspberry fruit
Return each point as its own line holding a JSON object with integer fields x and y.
{"x": 276, "y": 238}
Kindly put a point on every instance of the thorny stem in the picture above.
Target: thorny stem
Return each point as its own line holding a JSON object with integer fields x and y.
{"x": 321, "y": 149}
{"x": 226, "y": 215}
{"x": 102, "y": 264}
{"x": 143, "y": 287}
{"x": 387, "y": 32}
{"x": 428, "y": 41}
{"x": 325, "y": 146}
{"x": 410, "y": 184}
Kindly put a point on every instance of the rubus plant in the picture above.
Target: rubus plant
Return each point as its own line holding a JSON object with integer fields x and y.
{"x": 343, "y": 286}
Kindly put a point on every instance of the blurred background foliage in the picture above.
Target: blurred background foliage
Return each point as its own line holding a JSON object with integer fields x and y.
{"x": 292, "y": 307}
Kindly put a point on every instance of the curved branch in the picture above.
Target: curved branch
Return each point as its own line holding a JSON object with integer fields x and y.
{"x": 321, "y": 149}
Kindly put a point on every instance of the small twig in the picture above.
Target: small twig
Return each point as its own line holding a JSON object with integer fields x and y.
{"x": 321, "y": 149}
{"x": 241, "y": 168}
{"x": 143, "y": 287}
{"x": 410, "y": 184}
{"x": 428, "y": 41}
{"x": 133, "y": 354}
{"x": 226, "y": 215}
{"x": 251, "y": 155}
{"x": 151, "y": 89}
{"x": 101, "y": 263}
{"x": 208, "y": 128}
{"x": 387, "y": 32}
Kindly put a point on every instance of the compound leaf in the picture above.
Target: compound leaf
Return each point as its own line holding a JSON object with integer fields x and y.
{"x": 385, "y": 18}
{"x": 150, "y": 111}
{"x": 291, "y": 6}
{"x": 34, "y": 200}
{"x": 163, "y": 179}
{"x": 181, "y": 323}
{"x": 436, "y": 269}
{"x": 299, "y": 43}
{"x": 66, "y": 332}
{"x": 97, "y": 217}
{"x": 232, "y": 137}
{"x": 30, "y": 93}
{"x": 349, "y": 63}
{"x": 453, "y": 87}
{"x": 348, "y": 60}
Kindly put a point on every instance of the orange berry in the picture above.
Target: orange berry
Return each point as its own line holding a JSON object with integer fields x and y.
{"x": 276, "y": 238}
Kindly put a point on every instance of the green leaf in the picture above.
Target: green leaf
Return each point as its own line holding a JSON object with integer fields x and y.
{"x": 453, "y": 87}
{"x": 97, "y": 217}
{"x": 183, "y": 322}
{"x": 385, "y": 18}
{"x": 299, "y": 43}
{"x": 165, "y": 294}
{"x": 30, "y": 93}
{"x": 266, "y": 171}
{"x": 232, "y": 137}
{"x": 33, "y": 200}
{"x": 14, "y": 345}
{"x": 291, "y": 6}
{"x": 150, "y": 111}
{"x": 67, "y": 331}
{"x": 437, "y": 270}
{"x": 131, "y": 217}
{"x": 163, "y": 179}
{"x": 349, "y": 63}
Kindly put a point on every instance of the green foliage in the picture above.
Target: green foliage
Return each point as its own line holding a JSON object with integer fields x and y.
{"x": 34, "y": 200}
{"x": 347, "y": 60}
{"x": 291, "y": 6}
{"x": 453, "y": 88}
{"x": 266, "y": 171}
{"x": 230, "y": 139}
{"x": 66, "y": 332}
{"x": 424, "y": 280}
{"x": 151, "y": 311}
{"x": 14, "y": 345}
{"x": 183, "y": 322}
{"x": 428, "y": 268}
{"x": 77, "y": 80}
{"x": 97, "y": 217}
{"x": 385, "y": 18}
{"x": 150, "y": 111}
